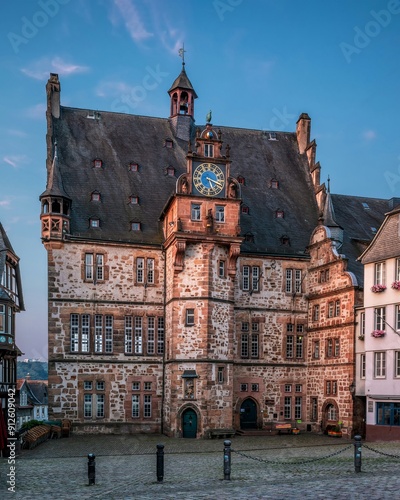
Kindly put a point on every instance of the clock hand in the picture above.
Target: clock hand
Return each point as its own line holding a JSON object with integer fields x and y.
{"x": 219, "y": 184}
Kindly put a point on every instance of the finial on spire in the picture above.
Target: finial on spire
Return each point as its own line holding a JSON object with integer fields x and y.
{"x": 208, "y": 116}
{"x": 329, "y": 184}
{"x": 181, "y": 53}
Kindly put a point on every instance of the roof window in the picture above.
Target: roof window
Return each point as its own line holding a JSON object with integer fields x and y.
{"x": 365, "y": 205}
{"x": 170, "y": 171}
{"x": 97, "y": 163}
{"x": 134, "y": 200}
{"x": 279, "y": 214}
{"x": 274, "y": 184}
{"x": 272, "y": 136}
{"x": 136, "y": 226}
{"x": 94, "y": 222}
{"x": 133, "y": 167}
{"x": 245, "y": 209}
{"x": 168, "y": 143}
{"x": 241, "y": 179}
{"x": 95, "y": 196}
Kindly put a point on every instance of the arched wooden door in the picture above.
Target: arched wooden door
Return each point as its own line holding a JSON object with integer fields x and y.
{"x": 189, "y": 423}
{"x": 248, "y": 414}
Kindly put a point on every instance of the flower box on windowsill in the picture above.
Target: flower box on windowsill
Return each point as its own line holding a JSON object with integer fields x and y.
{"x": 337, "y": 434}
{"x": 361, "y": 337}
{"x": 378, "y": 288}
{"x": 378, "y": 333}
{"x": 396, "y": 285}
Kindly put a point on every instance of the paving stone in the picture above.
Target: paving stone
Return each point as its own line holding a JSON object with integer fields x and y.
{"x": 263, "y": 467}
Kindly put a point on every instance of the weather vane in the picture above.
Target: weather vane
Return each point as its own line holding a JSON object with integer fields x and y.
{"x": 181, "y": 53}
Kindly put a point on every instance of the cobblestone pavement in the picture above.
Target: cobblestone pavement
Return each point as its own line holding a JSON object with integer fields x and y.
{"x": 263, "y": 467}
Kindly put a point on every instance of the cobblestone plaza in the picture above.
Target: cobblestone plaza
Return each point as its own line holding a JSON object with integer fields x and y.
{"x": 271, "y": 467}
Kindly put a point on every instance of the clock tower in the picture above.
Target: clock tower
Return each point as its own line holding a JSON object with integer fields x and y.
{"x": 202, "y": 244}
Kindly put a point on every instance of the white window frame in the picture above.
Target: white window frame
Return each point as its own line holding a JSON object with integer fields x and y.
{"x": 379, "y": 318}
{"x": 362, "y": 366}
{"x": 397, "y": 364}
{"x": 380, "y": 273}
{"x": 128, "y": 329}
{"x": 219, "y": 213}
{"x": 209, "y": 150}
{"x": 380, "y": 364}
{"x": 195, "y": 211}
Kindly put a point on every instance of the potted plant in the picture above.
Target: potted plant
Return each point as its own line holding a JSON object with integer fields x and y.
{"x": 396, "y": 285}
{"x": 378, "y": 288}
{"x": 335, "y": 430}
{"x": 378, "y": 333}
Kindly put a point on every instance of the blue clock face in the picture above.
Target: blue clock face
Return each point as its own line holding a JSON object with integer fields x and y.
{"x": 208, "y": 179}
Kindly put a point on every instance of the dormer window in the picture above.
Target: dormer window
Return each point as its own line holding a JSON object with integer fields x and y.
{"x": 272, "y": 136}
{"x": 134, "y": 200}
{"x": 97, "y": 163}
{"x": 279, "y": 214}
{"x": 373, "y": 229}
{"x": 245, "y": 209}
{"x": 285, "y": 240}
{"x": 169, "y": 143}
{"x": 94, "y": 222}
{"x": 241, "y": 179}
{"x": 209, "y": 150}
{"x": 95, "y": 196}
{"x": 136, "y": 226}
{"x": 170, "y": 171}
{"x": 133, "y": 167}
{"x": 274, "y": 184}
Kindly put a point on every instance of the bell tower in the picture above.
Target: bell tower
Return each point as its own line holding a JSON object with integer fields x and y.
{"x": 202, "y": 244}
{"x": 182, "y": 96}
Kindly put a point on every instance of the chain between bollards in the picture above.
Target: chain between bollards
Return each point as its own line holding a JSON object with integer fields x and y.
{"x": 160, "y": 462}
{"x": 357, "y": 453}
{"x": 227, "y": 459}
{"x": 91, "y": 469}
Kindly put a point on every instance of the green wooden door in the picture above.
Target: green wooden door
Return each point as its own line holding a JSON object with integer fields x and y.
{"x": 189, "y": 424}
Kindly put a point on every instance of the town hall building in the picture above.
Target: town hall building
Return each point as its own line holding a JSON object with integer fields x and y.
{"x": 201, "y": 278}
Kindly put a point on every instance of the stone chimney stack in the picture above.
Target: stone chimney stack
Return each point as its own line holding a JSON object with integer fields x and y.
{"x": 53, "y": 89}
{"x": 303, "y": 129}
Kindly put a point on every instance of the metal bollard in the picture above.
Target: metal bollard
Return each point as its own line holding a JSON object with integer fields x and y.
{"x": 160, "y": 462}
{"x": 91, "y": 469}
{"x": 357, "y": 453}
{"x": 227, "y": 459}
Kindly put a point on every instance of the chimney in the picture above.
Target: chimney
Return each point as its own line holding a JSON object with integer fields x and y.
{"x": 303, "y": 129}
{"x": 53, "y": 89}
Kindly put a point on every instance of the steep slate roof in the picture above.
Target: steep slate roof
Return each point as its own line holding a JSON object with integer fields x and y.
{"x": 358, "y": 222}
{"x": 182, "y": 81}
{"x": 118, "y": 139}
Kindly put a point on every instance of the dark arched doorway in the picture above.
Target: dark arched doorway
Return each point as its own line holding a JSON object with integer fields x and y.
{"x": 189, "y": 423}
{"x": 248, "y": 414}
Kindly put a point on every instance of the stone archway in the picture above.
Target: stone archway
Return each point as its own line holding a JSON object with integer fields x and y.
{"x": 248, "y": 414}
{"x": 330, "y": 414}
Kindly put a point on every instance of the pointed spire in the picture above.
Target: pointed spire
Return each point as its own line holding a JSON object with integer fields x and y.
{"x": 54, "y": 181}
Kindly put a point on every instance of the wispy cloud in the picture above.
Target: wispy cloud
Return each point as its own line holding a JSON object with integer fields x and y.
{"x": 5, "y": 203}
{"x": 130, "y": 16}
{"x": 36, "y": 112}
{"x": 16, "y": 133}
{"x": 40, "y": 69}
{"x": 112, "y": 88}
{"x": 15, "y": 160}
{"x": 369, "y": 135}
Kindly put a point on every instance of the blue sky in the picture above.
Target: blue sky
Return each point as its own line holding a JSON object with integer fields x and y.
{"x": 255, "y": 63}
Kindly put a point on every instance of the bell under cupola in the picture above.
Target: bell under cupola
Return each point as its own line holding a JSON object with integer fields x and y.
{"x": 182, "y": 95}
{"x": 55, "y": 205}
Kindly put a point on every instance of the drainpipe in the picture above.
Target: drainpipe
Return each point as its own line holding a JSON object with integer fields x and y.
{"x": 165, "y": 345}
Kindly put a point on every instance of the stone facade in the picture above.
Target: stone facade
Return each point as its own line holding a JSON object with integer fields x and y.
{"x": 184, "y": 275}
